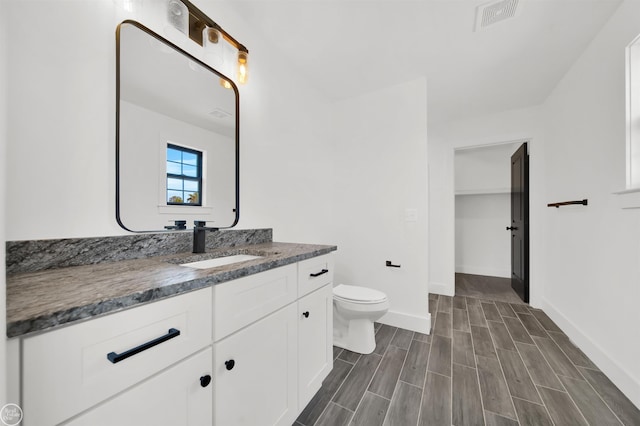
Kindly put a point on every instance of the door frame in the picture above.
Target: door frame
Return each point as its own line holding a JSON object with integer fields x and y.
{"x": 488, "y": 143}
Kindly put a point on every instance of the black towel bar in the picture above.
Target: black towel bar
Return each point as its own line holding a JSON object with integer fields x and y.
{"x": 569, "y": 203}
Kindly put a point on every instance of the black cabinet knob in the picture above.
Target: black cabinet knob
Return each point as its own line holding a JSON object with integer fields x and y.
{"x": 205, "y": 380}
{"x": 230, "y": 364}
{"x": 305, "y": 314}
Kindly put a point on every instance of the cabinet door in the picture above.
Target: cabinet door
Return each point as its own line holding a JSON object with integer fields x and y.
{"x": 174, "y": 397}
{"x": 255, "y": 373}
{"x": 72, "y": 362}
{"x": 315, "y": 342}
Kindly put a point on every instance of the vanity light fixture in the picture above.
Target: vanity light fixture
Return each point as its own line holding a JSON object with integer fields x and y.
{"x": 204, "y": 31}
{"x": 242, "y": 66}
{"x": 211, "y": 38}
{"x": 213, "y": 35}
{"x": 178, "y": 15}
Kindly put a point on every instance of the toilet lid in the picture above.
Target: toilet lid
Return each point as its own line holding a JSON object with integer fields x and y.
{"x": 356, "y": 294}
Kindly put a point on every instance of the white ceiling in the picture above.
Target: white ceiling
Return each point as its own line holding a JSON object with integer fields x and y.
{"x": 350, "y": 47}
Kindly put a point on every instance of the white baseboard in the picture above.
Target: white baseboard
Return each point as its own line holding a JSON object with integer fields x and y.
{"x": 480, "y": 270}
{"x": 444, "y": 289}
{"x": 624, "y": 380}
{"x": 408, "y": 322}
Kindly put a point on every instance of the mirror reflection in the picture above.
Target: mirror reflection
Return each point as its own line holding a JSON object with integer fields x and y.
{"x": 177, "y": 138}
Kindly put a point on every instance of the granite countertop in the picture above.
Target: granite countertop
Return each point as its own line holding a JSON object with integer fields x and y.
{"x": 38, "y": 301}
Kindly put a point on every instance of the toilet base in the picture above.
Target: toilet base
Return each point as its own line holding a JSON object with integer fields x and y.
{"x": 358, "y": 336}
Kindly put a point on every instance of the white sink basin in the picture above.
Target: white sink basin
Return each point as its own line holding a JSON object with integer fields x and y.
{"x": 220, "y": 261}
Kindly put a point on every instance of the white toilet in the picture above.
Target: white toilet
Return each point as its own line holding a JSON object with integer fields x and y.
{"x": 354, "y": 311}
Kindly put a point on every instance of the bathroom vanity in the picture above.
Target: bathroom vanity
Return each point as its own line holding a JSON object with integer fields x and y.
{"x": 149, "y": 341}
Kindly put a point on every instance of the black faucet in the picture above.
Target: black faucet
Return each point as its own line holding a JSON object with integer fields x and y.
{"x": 199, "y": 235}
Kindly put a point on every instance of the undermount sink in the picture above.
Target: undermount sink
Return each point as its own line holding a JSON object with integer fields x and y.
{"x": 220, "y": 261}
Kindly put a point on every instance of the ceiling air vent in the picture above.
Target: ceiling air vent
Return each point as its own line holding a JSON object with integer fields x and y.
{"x": 496, "y": 11}
{"x": 220, "y": 113}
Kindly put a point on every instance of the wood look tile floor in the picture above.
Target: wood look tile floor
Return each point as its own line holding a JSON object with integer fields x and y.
{"x": 494, "y": 288}
{"x": 486, "y": 362}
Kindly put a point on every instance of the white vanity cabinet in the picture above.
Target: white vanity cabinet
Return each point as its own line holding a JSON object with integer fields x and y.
{"x": 67, "y": 371}
{"x": 247, "y": 352}
{"x": 272, "y": 347}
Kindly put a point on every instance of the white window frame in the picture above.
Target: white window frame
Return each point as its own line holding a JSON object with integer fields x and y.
{"x": 629, "y": 198}
{"x": 633, "y": 113}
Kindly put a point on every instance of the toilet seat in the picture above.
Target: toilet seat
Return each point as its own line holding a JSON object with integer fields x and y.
{"x": 357, "y": 294}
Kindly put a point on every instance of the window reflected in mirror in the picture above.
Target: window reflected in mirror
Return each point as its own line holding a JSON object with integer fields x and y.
{"x": 184, "y": 176}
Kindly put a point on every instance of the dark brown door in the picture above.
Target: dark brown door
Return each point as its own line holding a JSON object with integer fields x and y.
{"x": 520, "y": 222}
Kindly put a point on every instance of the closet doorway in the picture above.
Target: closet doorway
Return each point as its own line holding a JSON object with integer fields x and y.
{"x": 484, "y": 231}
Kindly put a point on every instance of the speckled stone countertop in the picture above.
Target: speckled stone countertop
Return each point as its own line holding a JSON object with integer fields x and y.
{"x": 44, "y": 299}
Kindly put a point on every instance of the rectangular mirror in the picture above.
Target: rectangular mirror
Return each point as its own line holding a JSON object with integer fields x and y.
{"x": 177, "y": 145}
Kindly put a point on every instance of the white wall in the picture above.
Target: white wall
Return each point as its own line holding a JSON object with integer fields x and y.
{"x": 442, "y": 254}
{"x": 286, "y": 157}
{"x": 3, "y": 136}
{"x": 444, "y": 138}
{"x": 67, "y": 86}
{"x": 484, "y": 170}
{"x": 593, "y": 253}
{"x": 381, "y": 151}
{"x": 61, "y": 120}
{"x": 482, "y": 244}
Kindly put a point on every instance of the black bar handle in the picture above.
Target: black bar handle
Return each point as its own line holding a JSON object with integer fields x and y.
{"x": 114, "y": 357}
{"x": 512, "y": 228}
{"x": 391, "y": 265}
{"x": 317, "y": 274}
{"x": 584, "y": 202}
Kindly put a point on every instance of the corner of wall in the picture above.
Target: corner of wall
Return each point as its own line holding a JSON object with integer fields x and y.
{"x": 419, "y": 324}
{"x": 440, "y": 288}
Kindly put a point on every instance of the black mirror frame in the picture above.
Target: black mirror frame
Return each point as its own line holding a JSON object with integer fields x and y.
{"x": 117, "y": 130}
